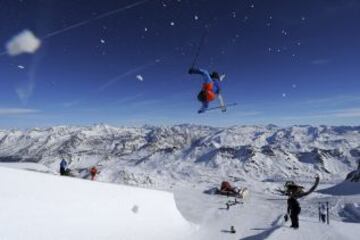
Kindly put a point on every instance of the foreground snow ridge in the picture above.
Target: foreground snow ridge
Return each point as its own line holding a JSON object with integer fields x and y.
{"x": 41, "y": 206}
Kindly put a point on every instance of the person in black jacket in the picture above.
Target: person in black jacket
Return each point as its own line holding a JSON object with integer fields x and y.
{"x": 293, "y": 211}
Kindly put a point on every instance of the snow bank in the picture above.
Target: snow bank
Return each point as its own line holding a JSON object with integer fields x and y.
{"x": 350, "y": 212}
{"x": 28, "y": 166}
{"x": 40, "y": 206}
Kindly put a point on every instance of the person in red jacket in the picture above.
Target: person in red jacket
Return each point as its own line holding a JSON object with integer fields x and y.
{"x": 93, "y": 172}
{"x": 227, "y": 188}
{"x": 210, "y": 88}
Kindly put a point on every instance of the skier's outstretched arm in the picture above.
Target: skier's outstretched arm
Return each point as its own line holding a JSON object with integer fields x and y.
{"x": 202, "y": 72}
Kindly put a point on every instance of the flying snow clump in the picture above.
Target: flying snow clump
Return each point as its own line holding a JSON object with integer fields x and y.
{"x": 140, "y": 78}
{"x": 24, "y": 42}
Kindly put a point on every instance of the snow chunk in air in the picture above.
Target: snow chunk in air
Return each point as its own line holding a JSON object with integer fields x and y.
{"x": 24, "y": 42}
{"x": 140, "y": 77}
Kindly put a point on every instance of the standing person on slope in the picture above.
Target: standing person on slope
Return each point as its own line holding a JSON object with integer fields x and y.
{"x": 210, "y": 88}
{"x": 63, "y": 167}
{"x": 322, "y": 210}
{"x": 293, "y": 210}
{"x": 93, "y": 172}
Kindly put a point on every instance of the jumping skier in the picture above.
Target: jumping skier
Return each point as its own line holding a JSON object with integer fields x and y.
{"x": 63, "y": 167}
{"x": 210, "y": 88}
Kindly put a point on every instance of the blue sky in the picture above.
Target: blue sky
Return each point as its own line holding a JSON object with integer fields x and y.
{"x": 286, "y": 62}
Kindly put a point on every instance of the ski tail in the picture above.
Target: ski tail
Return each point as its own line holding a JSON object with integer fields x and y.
{"x": 222, "y": 103}
{"x": 218, "y": 107}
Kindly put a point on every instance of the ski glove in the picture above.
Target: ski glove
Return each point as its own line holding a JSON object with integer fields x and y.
{"x": 192, "y": 71}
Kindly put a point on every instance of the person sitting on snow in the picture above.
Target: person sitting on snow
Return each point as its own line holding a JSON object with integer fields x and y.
{"x": 210, "y": 88}
{"x": 226, "y": 188}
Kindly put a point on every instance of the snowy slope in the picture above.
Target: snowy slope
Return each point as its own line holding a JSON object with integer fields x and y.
{"x": 261, "y": 216}
{"x": 28, "y": 166}
{"x": 41, "y": 206}
{"x": 165, "y": 156}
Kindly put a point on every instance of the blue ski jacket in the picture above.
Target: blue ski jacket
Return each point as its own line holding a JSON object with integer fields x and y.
{"x": 63, "y": 164}
{"x": 207, "y": 79}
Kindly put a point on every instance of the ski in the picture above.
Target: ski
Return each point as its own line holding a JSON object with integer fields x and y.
{"x": 220, "y": 107}
{"x": 222, "y": 103}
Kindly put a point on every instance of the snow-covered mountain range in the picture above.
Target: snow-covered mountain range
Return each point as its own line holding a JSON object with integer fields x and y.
{"x": 165, "y": 155}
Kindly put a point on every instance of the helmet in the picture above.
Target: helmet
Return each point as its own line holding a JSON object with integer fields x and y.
{"x": 215, "y": 75}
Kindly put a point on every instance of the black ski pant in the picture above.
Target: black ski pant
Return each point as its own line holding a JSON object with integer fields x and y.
{"x": 62, "y": 171}
{"x": 294, "y": 220}
{"x": 323, "y": 218}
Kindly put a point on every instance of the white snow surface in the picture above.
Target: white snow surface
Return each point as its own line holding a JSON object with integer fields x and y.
{"x": 41, "y": 206}
{"x": 261, "y": 216}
